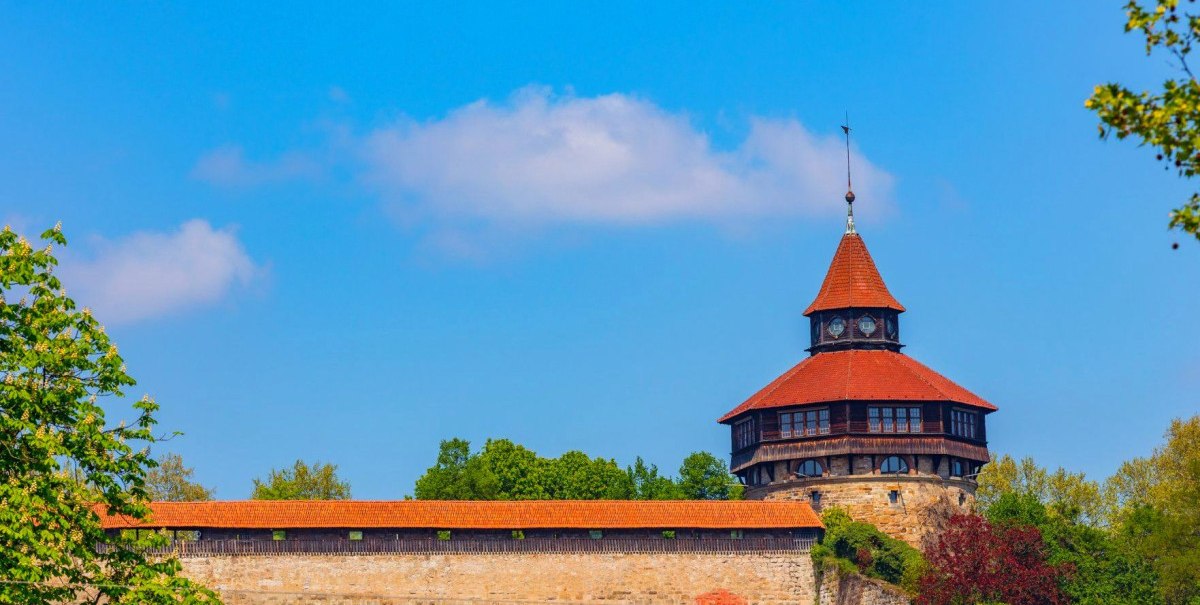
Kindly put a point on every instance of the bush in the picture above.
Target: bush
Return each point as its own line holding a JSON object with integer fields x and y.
{"x": 860, "y": 547}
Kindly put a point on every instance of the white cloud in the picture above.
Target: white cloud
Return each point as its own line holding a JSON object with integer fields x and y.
{"x": 228, "y": 167}
{"x": 612, "y": 159}
{"x": 151, "y": 274}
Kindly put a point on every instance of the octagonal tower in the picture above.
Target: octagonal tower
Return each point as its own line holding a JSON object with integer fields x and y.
{"x": 859, "y": 424}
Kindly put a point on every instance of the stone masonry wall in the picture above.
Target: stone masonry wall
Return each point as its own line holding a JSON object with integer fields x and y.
{"x": 923, "y": 505}
{"x": 839, "y": 589}
{"x": 766, "y": 578}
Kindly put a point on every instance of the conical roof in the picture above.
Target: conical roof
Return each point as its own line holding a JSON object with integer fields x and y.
{"x": 853, "y": 281}
{"x": 858, "y": 375}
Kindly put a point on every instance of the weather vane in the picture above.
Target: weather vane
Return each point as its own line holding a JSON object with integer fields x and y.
{"x": 849, "y": 187}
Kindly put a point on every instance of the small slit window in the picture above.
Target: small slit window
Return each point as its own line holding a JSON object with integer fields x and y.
{"x": 355, "y": 536}
{"x": 279, "y": 535}
{"x": 595, "y": 534}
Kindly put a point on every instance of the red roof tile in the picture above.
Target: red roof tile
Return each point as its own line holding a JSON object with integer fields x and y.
{"x": 455, "y": 514}
{"x": 853, "y": 280}
{"x": 858, "y": 375}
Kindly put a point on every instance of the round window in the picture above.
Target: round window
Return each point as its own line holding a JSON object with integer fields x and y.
{"x": 866, "y": 325}
{"x": 837, "y": 326}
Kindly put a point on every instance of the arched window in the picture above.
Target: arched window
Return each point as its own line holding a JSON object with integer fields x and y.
{"x": 809, "y": 468}
{"x": 893, "y": 465}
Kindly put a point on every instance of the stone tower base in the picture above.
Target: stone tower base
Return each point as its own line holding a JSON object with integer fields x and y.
{"x": 912, "y": 508}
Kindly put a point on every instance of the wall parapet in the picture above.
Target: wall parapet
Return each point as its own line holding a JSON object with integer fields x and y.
{"x": 221, "y": 548}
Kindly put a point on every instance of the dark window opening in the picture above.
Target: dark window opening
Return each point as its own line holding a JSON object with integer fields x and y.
{"x": 963, "y": 423}
{"x": 744, "y": 434}
{"x": 893, "y": 465}
{"x": 809, "y": 468}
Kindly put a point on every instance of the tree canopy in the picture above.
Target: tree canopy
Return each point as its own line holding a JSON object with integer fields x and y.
{"x": 171, "y": 481}
{"x": 302, "y": 482}
{"x": 63, "y": 459}
{"x": 1134, "y": 539}
{"x": 1167, "y": 119}
{"x": 503, "y": 470}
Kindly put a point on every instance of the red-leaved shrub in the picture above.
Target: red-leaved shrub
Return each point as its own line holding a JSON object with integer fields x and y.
{"x": 975, "y": 561}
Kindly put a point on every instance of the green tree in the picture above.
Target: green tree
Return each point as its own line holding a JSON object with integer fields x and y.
{"x": 1069, "y": 494}
{"x": 62, "y": 461}
{"x": 1159, "y": 509}
{"x": 575, "y": 476}
{"x": 457, "y": 475}
{"x": 1166, "y": 119}
{"x": 171, "y": 481}
{"x": 647, "y": 484}
{"x": 520, "y": 474}
{"x": 302, "y": 482}
{"x": 1104, "y": 568}
{"x": 703, "y": 476}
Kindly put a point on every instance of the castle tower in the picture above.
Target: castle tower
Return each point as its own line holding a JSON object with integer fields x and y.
{"x": 859, "y": 424}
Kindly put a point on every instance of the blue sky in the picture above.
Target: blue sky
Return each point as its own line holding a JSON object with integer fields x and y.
{"x": 347, "y": 233}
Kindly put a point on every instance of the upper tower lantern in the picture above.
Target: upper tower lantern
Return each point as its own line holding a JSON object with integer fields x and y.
{"x": 854, "y": 309}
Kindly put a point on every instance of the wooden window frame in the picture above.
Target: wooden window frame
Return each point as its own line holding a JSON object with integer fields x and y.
{"x": 895, "y": 419}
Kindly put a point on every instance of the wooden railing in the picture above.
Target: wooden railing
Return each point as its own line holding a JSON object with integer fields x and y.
{"x": 213, "y": 548}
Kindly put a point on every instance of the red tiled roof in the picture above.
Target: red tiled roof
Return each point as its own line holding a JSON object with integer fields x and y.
{"x": 853, "y": 280}
{"x": 458, "y": 514}
{"x": 858, "y": 375}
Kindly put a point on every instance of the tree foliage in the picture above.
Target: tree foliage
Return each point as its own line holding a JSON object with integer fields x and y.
{"x": 1167, "y": 119}
{"x": 61, "y": 459}
{"x": 503, "y": 470}
{"x": 1071, "y": 495}
{"x": 975, "y": 561}
{"x": 1106, "y": 571}
{"x": 457, "y": 475}
{"x": 171, "y": 481}
{"x": 703, "y": 476}
{"x": 649, "y": 485}
{"x": 302, "y": 482}
{"x": 1159, "y": 510}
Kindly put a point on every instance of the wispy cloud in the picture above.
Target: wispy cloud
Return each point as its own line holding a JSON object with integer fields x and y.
{"x": 487, "y": 171}
{"x": 228, "y": 167}
{"x": 152, "y": 274}
{"x": 616, "y": 159}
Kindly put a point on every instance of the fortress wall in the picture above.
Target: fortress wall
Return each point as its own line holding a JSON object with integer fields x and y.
{"x": 767, "y": 578}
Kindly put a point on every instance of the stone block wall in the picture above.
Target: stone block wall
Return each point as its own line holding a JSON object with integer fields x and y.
{"x": 839, "y": 589}
{"x": 765, "y": 578}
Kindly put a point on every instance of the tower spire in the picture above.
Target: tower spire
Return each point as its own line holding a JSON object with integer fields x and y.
{"x": 849, "y": 187}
